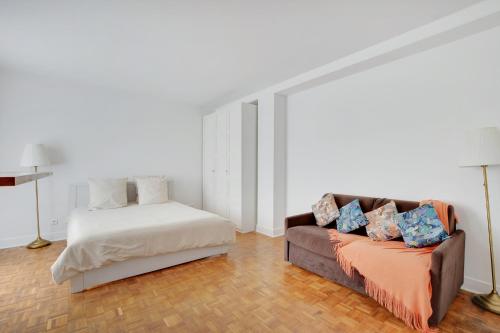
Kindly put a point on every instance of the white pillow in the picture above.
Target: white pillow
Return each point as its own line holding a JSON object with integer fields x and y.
{"x": 107, "y": 193}
{"x": 152, "y": 190}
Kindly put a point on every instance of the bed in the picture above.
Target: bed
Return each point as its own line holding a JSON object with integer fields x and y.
{"x": 112, "y": 244}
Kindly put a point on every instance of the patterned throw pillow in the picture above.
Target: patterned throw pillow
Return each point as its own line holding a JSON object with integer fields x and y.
{"x": 351, "y": 217}
{"x": 421, "y": 227}
{"x": 381, "y": 226}
{"x": 326, "y": 210}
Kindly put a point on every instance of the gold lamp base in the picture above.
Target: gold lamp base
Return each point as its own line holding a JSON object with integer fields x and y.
{"x": 38, "y": 243}
{"x": 490, "y": 302}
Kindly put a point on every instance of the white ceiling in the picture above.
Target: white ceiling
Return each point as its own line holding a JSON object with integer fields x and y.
{"x": 201, "y": 52}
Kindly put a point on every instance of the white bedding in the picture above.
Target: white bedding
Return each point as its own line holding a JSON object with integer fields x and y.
{"x": 97, "y": 238}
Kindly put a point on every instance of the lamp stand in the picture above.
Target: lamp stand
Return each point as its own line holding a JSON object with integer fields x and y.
{"x": 39, "y": 241}
{"x": 491, "y": 301}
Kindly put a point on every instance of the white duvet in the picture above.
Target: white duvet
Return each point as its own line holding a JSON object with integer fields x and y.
{"x": 97, "y": 238}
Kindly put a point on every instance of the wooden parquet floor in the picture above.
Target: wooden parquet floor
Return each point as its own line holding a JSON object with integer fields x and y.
{"x": 249, "y": 290}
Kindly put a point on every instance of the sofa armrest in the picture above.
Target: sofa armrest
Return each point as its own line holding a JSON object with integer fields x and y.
{"x": 293, "y": 221}
{"x": 302, "y": 219}
{"x": 447, "y": 274}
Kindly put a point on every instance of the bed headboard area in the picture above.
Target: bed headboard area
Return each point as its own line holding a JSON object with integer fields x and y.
{"x": 79, "y": 194}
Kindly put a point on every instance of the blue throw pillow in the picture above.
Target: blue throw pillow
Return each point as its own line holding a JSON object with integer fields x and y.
{"x": 421, "y": 227}
{"x": 351, "y": 217}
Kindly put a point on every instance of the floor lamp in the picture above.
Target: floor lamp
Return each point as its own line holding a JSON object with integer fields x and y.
{"x": 482, "y": 149}
{"x": 34, "y": 155}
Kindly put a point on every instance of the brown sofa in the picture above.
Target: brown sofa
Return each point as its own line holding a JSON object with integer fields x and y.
{"x": 308, "y": 246}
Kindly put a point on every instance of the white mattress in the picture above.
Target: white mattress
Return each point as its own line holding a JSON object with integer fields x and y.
{"x": 97, "y": 238}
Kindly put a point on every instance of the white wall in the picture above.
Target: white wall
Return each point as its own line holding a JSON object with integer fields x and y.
{"x": 271, "y": 164}
{"x": 395, "y": 131}
{"x": 90, "y": 132}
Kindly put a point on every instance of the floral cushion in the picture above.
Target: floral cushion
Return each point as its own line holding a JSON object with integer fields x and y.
{"x": 421, "y": 227}
{"x": 381, "y": 225}
{"x": 351, "y": 217}
{"x": 325, "y": 210}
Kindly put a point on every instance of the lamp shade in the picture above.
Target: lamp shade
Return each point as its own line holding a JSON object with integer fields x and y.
{"x": 34, "y": 155}
{"x": 481, "y": 147}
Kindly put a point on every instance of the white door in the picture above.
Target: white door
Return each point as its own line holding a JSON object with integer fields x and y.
{"x": 222, "y": 167}
{"x": 209, "y": 162}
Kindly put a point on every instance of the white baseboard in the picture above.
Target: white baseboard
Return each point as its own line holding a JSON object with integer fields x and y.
{"x": 26, "y": 239}
{"x": 476, "y": 286}
{"x": 276, "y": 232}
{"x": 245, "y": 230}
{"x": 279, "y": 232}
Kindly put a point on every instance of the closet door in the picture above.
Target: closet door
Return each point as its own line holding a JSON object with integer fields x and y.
{"x": 209, "y": 162}
{"x": 222, "y": 167}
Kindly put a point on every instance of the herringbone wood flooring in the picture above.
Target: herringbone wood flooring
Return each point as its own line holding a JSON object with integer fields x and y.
{"x": 249, "y": 290}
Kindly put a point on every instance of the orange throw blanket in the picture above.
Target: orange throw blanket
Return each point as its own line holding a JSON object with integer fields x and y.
{"x": 395, "y": 276}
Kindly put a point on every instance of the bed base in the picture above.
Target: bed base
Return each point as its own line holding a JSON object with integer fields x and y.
{"x": 136, "y": 266}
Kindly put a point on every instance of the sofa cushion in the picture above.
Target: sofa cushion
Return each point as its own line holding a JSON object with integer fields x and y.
{"x": 326, "y": 267}
{"x": 382, "y": 226}
{"x": 351, "y": 217}
{"x": 370, "y": 203}
{"x": 421, "y": 227}
{"x": 325, "y": 210}
{"x": 312, "y": 238}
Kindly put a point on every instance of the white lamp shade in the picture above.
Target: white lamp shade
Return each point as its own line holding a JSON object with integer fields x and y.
{"x": 481, "y": 147}
{"x": 34, "y": 155}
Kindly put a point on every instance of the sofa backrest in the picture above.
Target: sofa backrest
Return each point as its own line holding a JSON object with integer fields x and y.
{"x": 369, "y": 204}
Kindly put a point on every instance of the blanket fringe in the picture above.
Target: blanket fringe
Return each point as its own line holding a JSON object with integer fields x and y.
{"x": 397, "y": 308}
{"x": 343, "y": 262}
{"x": 383, "y": 297}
